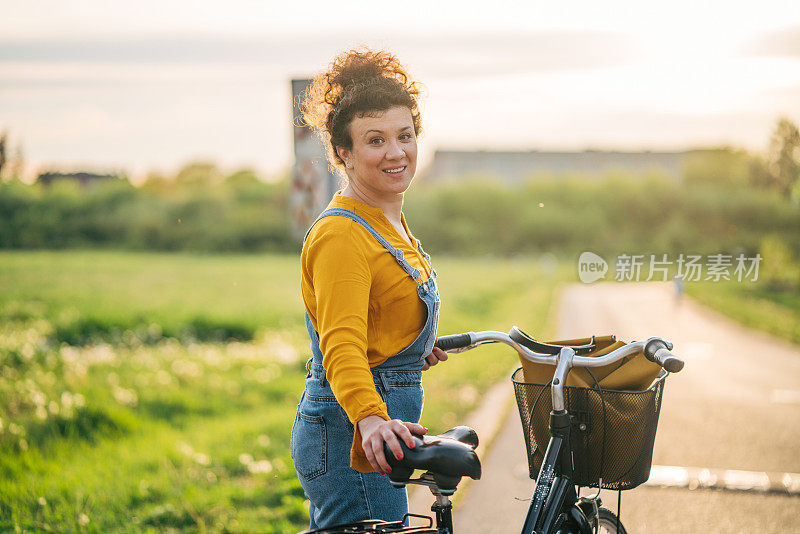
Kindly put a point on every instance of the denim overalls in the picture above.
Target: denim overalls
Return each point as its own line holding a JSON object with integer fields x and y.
{"x": 322, "y": 434}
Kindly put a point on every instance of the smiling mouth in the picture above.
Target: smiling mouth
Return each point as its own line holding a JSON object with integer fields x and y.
{"x": 395, "y": 171}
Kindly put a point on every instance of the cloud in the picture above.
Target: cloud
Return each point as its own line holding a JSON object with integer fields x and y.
{"x": 779, "y": 43}
{"x": 468, "y": 54}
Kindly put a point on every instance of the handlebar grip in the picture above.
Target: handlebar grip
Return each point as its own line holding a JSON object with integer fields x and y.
{"x": 668, "y": 361}
{"x": 454, "y": 341}
{"x": 658, "y": 351}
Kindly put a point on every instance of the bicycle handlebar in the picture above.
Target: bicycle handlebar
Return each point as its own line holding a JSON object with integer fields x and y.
{"x": 658, "y": 351}
{"x": 454, "y": 341}
{"x": 655, "y": 350}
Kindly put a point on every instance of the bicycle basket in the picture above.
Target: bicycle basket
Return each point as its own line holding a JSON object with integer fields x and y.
{"x": 612, "y": 431}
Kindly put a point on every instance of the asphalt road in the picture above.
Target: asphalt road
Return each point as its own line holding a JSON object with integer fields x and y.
{"x": 736, "y": 405}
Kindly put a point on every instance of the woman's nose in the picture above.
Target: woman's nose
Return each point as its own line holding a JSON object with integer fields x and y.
{"x": 394, "y": 150}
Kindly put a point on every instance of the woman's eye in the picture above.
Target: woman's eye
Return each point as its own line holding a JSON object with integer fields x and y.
{"x": 405, "y": 136}
{"x": 375, "y": 141}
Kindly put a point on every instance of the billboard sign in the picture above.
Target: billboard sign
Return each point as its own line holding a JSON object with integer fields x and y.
{"x": 313, "y": 184}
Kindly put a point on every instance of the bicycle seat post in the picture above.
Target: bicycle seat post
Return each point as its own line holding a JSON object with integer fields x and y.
{"x": 565, "y": 357}
{"x": 443, "y": 509}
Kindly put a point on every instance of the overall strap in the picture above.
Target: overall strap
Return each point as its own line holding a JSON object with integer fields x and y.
{"x": 428, "y": 258}
{"x": 396, "y": 252}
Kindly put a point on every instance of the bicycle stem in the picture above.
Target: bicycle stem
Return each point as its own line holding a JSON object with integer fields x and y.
{"x": 565, "y": 357}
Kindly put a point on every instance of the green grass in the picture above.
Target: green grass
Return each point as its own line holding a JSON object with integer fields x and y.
{"x": 142, "y": 422}
{"x": 89, "y": 295}
{"x": 754, "y": 304}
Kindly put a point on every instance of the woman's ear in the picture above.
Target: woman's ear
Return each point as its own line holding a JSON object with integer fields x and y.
{"x": 346, "y": 155}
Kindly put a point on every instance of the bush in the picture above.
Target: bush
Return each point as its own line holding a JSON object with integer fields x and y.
{"x": 560, "y": 215}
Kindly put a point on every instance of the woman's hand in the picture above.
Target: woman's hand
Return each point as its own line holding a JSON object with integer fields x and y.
{"x": 375, "y": 431}
{"x": 438, "y": 355}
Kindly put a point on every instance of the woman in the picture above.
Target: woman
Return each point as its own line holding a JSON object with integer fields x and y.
{"x": 370, "y": 294}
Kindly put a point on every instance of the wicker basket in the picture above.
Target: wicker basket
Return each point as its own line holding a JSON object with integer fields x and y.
{"x": 612, "y": 432}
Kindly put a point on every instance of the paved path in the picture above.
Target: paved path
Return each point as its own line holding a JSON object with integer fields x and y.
{"x": 736, "y": 405}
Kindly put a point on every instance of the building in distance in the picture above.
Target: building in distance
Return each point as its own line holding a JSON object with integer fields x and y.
{"x": 84, "y": 179}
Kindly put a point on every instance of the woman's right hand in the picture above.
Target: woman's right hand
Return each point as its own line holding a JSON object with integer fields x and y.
{"x": 375, "y": 431}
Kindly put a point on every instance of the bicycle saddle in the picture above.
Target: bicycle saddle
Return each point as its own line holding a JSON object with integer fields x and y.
{"x": 448, "y": 457}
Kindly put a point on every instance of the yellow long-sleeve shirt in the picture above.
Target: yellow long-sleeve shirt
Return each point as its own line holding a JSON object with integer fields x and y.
{"x": 362, "y": 304}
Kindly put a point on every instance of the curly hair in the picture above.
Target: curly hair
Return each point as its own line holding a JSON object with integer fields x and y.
{"x": 358, "y": 83}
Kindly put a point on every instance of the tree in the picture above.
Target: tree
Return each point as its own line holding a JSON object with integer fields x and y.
{"x": 243, "y": 177}
{"x": 3, "y": 144}
{"x": 784, "y": 156}
{"x": 199, "y": 173}
{"x": 16, "y": 164}
{"x": 721, "y": 166}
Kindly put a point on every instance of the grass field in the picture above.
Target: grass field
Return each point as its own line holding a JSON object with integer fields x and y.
{"x": 754, "y": 304}
{"x": 123, "y": 410}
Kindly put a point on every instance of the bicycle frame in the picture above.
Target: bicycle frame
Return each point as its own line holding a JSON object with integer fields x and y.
{"x": 554, "y": 496}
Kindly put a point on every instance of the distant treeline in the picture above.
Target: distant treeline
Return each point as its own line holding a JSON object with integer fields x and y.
{"x": 713, "y": 210}
{"x": 240, "y": 213}
{"x": 617, "y": 215}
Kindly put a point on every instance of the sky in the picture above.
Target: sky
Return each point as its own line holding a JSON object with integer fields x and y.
{"x": 148, "y": 86}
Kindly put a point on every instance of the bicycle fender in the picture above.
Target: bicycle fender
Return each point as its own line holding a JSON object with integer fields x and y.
{"x": 577, "y": 516}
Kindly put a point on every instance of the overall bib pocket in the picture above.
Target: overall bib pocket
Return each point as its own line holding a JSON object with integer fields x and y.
{"x": 309, "y": 445}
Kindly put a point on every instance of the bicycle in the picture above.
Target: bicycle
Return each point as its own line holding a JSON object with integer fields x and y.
{"x": 555, "y": 507}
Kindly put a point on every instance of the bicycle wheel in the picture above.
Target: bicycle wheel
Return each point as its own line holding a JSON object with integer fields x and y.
{"x": 608, "y": 522}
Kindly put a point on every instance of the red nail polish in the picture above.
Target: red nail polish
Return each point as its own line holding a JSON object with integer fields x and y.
{"x": 389, "y": 471}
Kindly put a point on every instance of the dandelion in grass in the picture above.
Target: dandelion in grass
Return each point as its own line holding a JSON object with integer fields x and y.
{"x": 263, "y": 440}
{"x": 101, "y": 354}
{"x": 126, "y": 397}
{"x": 28, "y": 351}
{"x": 184, "y": 448}
{"x": 212, "y": 356}
{"x": 37, "y": 398}
{"x": 262, "y": 466}
{"x": 201, "y": 458}
{"x": 243, "y": 351}
{"x": 266, "y": 374}
{"x": 281, "y": 351}
{"x": 186, "y": 369}
{"x": 163, "y": 377}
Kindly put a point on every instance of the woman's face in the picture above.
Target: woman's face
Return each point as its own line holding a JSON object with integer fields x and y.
{"x": 384, "y": 155}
